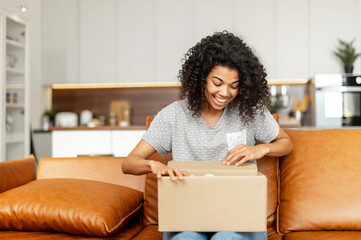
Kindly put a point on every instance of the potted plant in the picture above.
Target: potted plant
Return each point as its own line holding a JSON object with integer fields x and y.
{"x": 347, "y": 54}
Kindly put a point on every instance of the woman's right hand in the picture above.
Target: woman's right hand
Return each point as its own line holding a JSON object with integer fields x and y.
{"x": 160, "y": 170}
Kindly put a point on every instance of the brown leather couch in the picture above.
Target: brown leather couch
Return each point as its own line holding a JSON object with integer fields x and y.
{"x": 313, "y": 193}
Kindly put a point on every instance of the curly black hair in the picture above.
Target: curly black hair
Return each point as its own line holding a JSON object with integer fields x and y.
{"x": 224, "y": 49}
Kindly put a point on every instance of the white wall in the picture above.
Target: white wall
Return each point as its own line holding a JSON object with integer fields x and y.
{"x": 33, "y": 15}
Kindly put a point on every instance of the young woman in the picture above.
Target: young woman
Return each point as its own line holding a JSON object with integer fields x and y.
{"x": 223, "y": 112}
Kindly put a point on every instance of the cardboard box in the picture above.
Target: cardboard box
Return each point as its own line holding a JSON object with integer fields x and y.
{"x": 234, "y": 199}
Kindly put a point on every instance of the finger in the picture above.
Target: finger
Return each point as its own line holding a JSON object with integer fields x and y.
{"x": 234, "y": 159}
{"x": 159, "y": 174}
{"x": 229, "y": 157}
{"x": 179, "y": 174}
{"x": 171, "y": 174}
{"x": 243, "y": 160}
{"x": 235, "y": 151}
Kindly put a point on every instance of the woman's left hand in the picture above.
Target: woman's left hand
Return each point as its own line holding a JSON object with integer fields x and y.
{"x": 243, "y": 153}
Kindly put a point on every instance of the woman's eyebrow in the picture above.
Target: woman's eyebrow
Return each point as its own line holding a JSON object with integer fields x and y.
{"x": 218, "y": 78}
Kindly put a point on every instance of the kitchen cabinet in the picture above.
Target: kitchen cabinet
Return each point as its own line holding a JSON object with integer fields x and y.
{"x": 97, "y": 41}
{"x": 136, "y": 41}
{"x": 60, "y": 41}
{"x": 82, "y": 142}
{"x": 124, "y": 141}
{"x": 174, "y": 24}
{"x": 73, "y": 143}
{"x": 339, "y": 20}
{"x": 145, "y": 40}
{"x": 14, "y": 85}
{"x": 291, "y": 39}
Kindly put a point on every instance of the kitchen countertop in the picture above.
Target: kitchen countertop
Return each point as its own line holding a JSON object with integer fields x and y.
{"x": 133, "y": 127}
{"x": 140, "y": 127}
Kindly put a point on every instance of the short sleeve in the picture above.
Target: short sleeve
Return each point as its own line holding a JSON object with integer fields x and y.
{"x": 267, "y": 128}
{"x": 159, "y": 133}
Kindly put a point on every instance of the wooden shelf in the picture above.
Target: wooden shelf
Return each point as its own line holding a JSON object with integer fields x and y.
{"x": 107, "y": 127}
{"x": 13, "y": 105}
{"x": 14, "y": 138}
{"x": 15, "y": 70}
{"x": 15, "y": 86}
{"x": 14, "y": 43}
{"x": 287, "y": 81}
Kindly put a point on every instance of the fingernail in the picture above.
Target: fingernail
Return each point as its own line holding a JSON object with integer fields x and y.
{"x": 228, "y": 163}
{"x": 224, "y": 162}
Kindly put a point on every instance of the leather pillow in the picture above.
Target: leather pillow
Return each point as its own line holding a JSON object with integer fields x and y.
{"x": 75, "y": 206}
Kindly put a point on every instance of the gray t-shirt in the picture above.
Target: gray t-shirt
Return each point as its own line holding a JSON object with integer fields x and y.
{"x": 190, "y": 138}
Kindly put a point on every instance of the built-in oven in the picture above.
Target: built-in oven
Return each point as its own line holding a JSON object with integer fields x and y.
{"x": 337, "y": 100}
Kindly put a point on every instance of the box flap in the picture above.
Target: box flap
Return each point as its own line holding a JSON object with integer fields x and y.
{"x": 213, "y": 167}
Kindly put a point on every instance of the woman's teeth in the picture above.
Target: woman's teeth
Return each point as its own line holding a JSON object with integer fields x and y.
{"x": 220, "y": 100}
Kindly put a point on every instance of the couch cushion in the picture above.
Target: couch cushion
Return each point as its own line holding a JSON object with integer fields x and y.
{"x": 320, "y": 181}
{"x": 322, "y": 235}
{"x": 74, "y": 206}
{"x": 16, "y": 173}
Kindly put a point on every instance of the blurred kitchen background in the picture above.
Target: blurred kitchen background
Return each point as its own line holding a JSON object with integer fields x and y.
{"x": 79, "y": 77}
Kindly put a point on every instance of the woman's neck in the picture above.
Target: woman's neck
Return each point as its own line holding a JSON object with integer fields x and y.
{"x": 211, "y": 116}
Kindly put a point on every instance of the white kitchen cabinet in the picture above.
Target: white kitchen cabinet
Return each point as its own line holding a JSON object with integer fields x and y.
{"x": 14, "y": 86}
{"x": 73, "y": 143}
{"x": 213, "y": 16}
{"x": 60, "y": 41}
{"x": 97, "y": 41}
{"x": 136, "y": 41}
{"x": 255, "y": 22}
{"x": 174, "y": 21}
{"x": 123, "y": 141}
{"x": 292, "y": 39}
{"x": 144, "y": 40}
{"x": 331, "y": 20}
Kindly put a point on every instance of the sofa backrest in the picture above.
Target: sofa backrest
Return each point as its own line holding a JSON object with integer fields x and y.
{"x": 16, "y": 173}
{"x": 320, "y": 181}
{"x": 267, "y": 165}
{"x": 105, "y": 169}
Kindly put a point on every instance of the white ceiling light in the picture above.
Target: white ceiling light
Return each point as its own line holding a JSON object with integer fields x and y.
{"x": 23, "y": 8}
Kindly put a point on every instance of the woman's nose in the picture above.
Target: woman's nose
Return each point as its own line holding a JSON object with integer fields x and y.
{"x": 224, "y": 91}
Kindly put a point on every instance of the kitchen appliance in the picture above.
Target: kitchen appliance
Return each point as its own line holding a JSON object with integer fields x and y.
{"x": 86, "y": 117}
{"x": 337, "y": 100}
{"x": 66, "y": 119}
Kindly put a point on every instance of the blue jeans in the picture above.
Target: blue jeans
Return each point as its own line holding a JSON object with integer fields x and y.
{"x": 215, "y": 236}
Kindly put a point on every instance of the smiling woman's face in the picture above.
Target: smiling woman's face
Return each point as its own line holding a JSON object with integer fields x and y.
{"x": 222, "y": 86}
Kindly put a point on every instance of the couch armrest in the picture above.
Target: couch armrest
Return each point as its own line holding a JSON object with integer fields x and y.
{"x": 16, "y": 173}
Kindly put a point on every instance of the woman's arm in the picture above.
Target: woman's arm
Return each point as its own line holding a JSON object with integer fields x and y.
{"x": 136, "y": 163}
{"x": 280, "y": 146}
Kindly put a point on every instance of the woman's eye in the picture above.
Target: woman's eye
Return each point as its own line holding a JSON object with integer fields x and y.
{"x": 216, "y": 84}
{"x": 235, "y": 87}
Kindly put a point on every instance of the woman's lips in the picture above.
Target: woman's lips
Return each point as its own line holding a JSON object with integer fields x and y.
{"x": 220, "y": 101}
